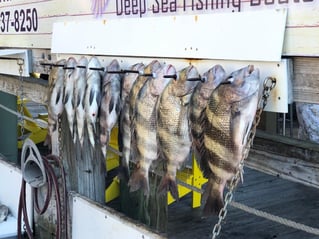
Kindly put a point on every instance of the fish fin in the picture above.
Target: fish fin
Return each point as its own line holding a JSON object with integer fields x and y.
{"x": 47, "y": 141}
{"x": 98, "y": 98}
{"x": 124, "y": 173}
{"x": 66, "y": 98}
{"x": 213, "y": 199}
{"x": 58, "y": 97}
{"x": 168, "y": 184}
{"x": 139, "y": 181}
{"x": 91, "y": 96}
{"x": 111, "y": 104}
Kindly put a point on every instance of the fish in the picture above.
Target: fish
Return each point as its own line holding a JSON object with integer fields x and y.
{"x": 68, "y": 98}
{"x": 79, "y": 98}
{"x": 4, "y": 211}
{"x": 308, "y": 115}
{"x": 110, "y": 103}
{"x": 198, "y": 103}
{"x": 138, "y": 84}
{"x": 173, "y": 129}
{"x": 55, "y": 105}
{"x": 124, "y": 123}
{"x": 92, "y": 97}
{"x": 230, "y": 114}
{"x": 145, "y": 127}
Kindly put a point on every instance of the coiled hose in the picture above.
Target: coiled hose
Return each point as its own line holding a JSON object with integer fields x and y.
{"x": 52, "y": 183}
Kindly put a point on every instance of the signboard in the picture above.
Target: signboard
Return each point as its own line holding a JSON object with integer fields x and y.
{"x": 28, "y": 24}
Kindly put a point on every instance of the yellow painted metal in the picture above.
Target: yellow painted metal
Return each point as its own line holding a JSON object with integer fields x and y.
{"x": 31, "y": 129}
{"x": 189, "y": 175}
{"x": 193, "y": 177}
{"x": 113, "y": 190}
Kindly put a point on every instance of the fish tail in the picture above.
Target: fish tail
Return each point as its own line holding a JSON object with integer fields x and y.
{"x": 169, "y": 184}
{"x": 124, "y": 173}
{"x": 139, "y": 181}
{"x": 213, "y": 198}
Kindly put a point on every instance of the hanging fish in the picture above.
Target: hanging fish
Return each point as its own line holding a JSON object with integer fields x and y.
{"x": 92, "y": 97}
{"x": 68, "y": 99}
{"x": 138, "y": 84}
{"x": 230, "y": 113}
{"x": 173, "y": 126}
{"x": 110, "y": 103}
{"x": 124, "y": 123}
{"x": 145, "y": 127}
{"x": 79, "y": 97}
{"x": 55, "y": 105}
{"x": 213, "y": 77}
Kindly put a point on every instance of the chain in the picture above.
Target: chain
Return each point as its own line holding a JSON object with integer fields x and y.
{"x": 20, "y": 94}
{"x": 269, "y": 84}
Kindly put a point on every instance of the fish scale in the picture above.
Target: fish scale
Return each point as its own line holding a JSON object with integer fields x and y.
{"x": 110, "y": 103}
{"x": 68, "y": 99}
{"x": 55, "y": 105}
{"x": 124, "y": 123}
{"x": 145, "y": 127}
{"x": 138, "y": 84}
{"x": 174, "y": 137}
{"x": 79, "y": 97}
{"x": 229, "y": 115}
{"x": 92, "y": 98}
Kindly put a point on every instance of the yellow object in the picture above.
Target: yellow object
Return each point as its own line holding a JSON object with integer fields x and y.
{"x": 193, "y": 177}
{"x": 113, "y": 190}
{"x": 31, "y": 129}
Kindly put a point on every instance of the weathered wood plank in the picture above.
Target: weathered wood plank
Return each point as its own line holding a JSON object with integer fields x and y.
{"x": 306, "y": 83}
{"x": 288, "y": 158}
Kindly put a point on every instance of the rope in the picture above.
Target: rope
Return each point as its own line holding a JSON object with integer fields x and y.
{"x": 274, "y": 218}
{"x": 41, "y": 123}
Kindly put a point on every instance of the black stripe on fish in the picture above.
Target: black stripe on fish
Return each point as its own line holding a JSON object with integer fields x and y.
{"x": 111, "y": 104}
{"x": 217, "y": 134}
{"x": 66, "y": 98}
{"x": 118, "y": 106}
{"x": 221, "y": 163}
{"x": 91, "y": 96}
{"x": 58, "y": 97}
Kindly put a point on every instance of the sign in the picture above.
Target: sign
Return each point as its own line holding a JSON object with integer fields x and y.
{"x": 28, "y": 24}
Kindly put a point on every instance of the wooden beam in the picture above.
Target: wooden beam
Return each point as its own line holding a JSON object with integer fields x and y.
{"x": 288, "y": 158}
{"x": 34, "y": 89}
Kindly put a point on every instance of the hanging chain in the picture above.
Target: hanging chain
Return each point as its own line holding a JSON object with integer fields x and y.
{"x": 20, "y": 94}
{"x": 269, "y": 84}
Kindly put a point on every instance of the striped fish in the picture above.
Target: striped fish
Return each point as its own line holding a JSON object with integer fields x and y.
{"x": 92, "y": 98}
{"x": 110, "y": 103}
{"x": 55, "y": 105}
{"x": 173, "y": 126}
{"x": 213, "y": 77}
{"x": 124, "y": 123}
{"x": 68, "y": 99}
{"x": 79, "y": 95}
{"x": 138, "y": 84}
{"x": 145, "y": 127}
{"x": 230, "y": 113}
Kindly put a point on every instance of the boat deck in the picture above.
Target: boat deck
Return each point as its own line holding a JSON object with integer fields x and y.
{"x": 261, "y": 191}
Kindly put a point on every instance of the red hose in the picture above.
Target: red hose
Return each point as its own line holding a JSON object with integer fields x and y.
{"x": 52, "y": 183}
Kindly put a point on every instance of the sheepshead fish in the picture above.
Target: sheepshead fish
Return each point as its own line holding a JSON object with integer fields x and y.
{"x": 110, "y": 103}
{"x": 68, "y": 99}
{"x": 213, "y": 77}
{"x": 230, "y": 114}
{"x": 145, "y": 127}
{"x": 124, "y": 123}
{"x": 92, "y": 97}
{"x": 55, "y": 105}
{"x": 138, "y": 84}
{"x": 173, "y": 126}
{"x": 79, "y": 96}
